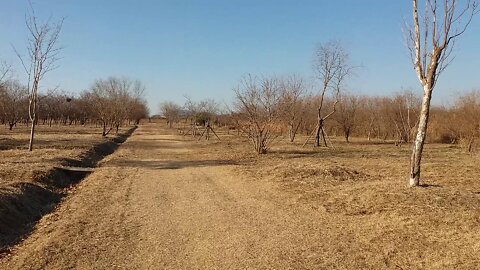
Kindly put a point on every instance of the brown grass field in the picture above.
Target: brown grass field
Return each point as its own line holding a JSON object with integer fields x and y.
{"x": 342, "y": 207}
{"x": 361, "y": 187}
{"x": 52, "y": 146}
{"x": 31, "y": 183}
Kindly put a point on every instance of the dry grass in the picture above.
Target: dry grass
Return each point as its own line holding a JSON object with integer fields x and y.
{"x": 53, "y": 145}
{"x": 363, "y": 186}
{"x": 30, "y": 183}
{"x": 351, "y": 203}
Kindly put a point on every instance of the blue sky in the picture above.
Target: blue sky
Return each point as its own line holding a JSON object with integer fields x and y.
{"x": 202, "y": 48}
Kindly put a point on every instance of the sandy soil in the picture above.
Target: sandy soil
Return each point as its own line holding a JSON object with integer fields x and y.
{"x": 160, "y": 202}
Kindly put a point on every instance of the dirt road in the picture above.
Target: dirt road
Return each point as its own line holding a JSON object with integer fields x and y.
{"x": 153, "y": 205}
{"x": 158, "y": 203}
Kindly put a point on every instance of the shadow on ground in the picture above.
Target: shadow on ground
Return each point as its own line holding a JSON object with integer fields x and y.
{"x": 169, "y": 164}
{"x": 23, "y": 204}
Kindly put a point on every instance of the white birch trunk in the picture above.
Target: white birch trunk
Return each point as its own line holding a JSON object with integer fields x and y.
{"x": 420, "y": 138}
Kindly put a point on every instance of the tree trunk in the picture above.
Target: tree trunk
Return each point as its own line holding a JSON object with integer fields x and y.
{"x": 259, "y": 143}
{"x": 32, "y": 132}
{"x": 33, "y": 118}
{"x": 470, "y": 145}
{"x": 319, "y": 127}
{"x": 347, "y": 134}
{"x": 293, "y": 130}
{"x": 105, "y": 132}
{"x": 317, "y": 135}
{"x": 291, "y": 134}
{"x": 420, "y": 138}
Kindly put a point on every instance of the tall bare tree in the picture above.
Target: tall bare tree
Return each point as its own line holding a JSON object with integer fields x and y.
{"x": 42, "y": 55}
{"x": 430, "y": 42}
{"x": 331, "y": 65}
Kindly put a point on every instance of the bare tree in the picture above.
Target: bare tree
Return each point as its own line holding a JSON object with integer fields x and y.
{"x": 113, "y": 100}
{"x": 292, "y": 104}
{"x": 138, "y": 108}
{"x": 170, "y": 110}
{"x": 347, "y": 113}
{"x": 403, "y": 112}
{"x": 332, "y": 68}
{"x": 367, "y": 116}
{"x": 466, "y": 118}
{"x": 257, "y": 110}
{"x": 43, "y": 53}
{"x": 191, "y": 111}
{"x": 13, "y": 104}
{"x": 207, "y": 109}
{"x": 430, "y": 42}
{"x": 102, "y": 97}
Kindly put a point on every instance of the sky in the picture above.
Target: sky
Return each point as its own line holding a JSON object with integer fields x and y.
{"x": 202, "y": 48}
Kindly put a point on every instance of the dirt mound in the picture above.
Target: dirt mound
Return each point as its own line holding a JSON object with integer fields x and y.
{"x": 343, "y": 174}
{"x": 316, "y": 172}
{"x": 22, "y": 204}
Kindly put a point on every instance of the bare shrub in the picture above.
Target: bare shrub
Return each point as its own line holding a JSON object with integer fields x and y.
{"x": 257, "y": 108}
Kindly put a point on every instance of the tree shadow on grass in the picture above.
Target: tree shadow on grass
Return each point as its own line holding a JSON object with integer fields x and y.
{"x": 321, "y": 152}
{"x": 170, "y": 164}
{"x": 430, "y": 186}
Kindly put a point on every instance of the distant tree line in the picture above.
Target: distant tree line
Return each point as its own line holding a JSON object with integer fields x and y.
{"x": 109, "y": 103}
{"x": 270, "y": 108}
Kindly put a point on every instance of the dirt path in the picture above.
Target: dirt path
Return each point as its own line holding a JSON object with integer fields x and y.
{"x": 154, "y": 204}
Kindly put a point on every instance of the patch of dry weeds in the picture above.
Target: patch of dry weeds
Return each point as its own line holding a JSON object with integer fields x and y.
{"x": 364, "y": 186}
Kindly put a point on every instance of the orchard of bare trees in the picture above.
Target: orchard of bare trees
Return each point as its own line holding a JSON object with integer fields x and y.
{"x": 110, "y": 103}
{"x": 270, "y": 108}
{"x": 267, "y": 109}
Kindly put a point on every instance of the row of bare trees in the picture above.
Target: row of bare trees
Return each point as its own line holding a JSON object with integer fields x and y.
{"x": 430, "y": 39}
{"x": 459, "y": 123}
{"x": 109, "y": 102}
{"x": 396, "y": 118}
{"x": 378, "y": 117}
{"x": 114, "y": 101}
{"x": 198, "y": 112}
{"x": 13, "y": 103}
{"x": 266, "y": 108}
